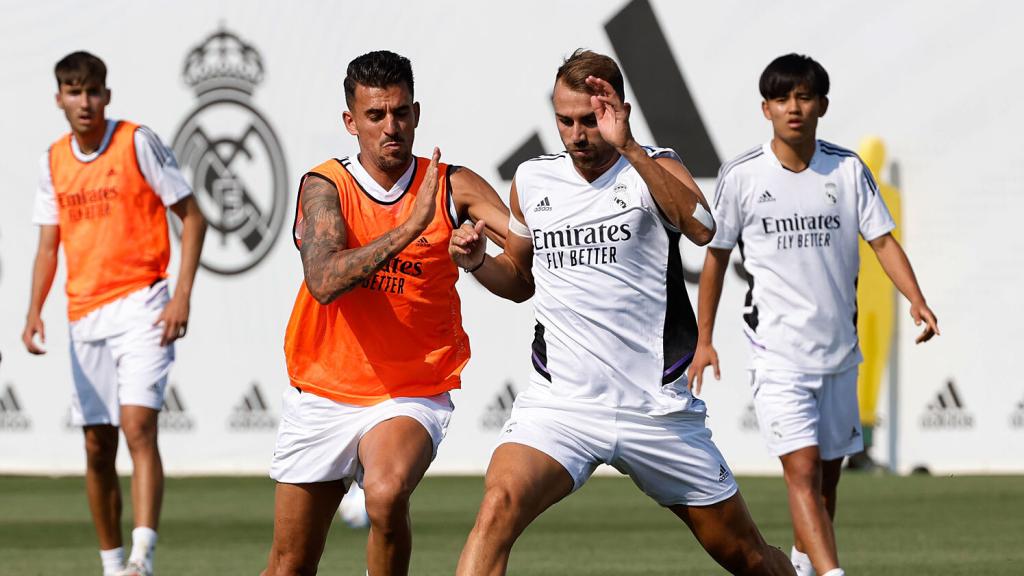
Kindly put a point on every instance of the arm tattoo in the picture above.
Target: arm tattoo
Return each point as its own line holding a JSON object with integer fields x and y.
{"x": 331, "y": 269}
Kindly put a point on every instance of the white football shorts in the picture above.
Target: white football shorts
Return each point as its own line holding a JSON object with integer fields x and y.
{"x": 671, "y": 457}
{"x": 126, "y": 365}
{"x": 318, "y": 439}
{"x": 796, "y": 410}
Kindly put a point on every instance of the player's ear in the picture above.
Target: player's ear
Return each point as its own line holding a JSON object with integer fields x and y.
{"x": 107, "y": 92}
{"x": 349, "y": 122}
{"x": 56, "y": 98}
{"x": 824, "y": 106}
{"x": 764, "y": 110}
{"x": 416, "y": 113}
{"x": 626, "y": 107}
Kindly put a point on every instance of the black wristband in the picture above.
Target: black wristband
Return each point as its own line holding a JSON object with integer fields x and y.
{"x": 477, "y": 267}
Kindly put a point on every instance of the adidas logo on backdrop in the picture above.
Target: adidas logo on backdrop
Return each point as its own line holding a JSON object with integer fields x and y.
{"x": 498, "y": 411}
{"x": 252, "y": 412}
{"x": 1017, "y": 417}
{"x": 12, "y": 418}
{"x": 947, "y": 410}
{"x": 748, "y": 421}
{"x": 173, "y": 417}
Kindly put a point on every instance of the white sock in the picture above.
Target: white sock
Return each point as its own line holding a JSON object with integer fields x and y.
{"x": 113, "y": 560}
{"x": 801, "y": 563}
{"x": 143, "y": 544}
{"x": 835, "y": 572}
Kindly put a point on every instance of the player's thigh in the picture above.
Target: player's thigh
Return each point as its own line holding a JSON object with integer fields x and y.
{"x": 577, "y": 439}
{"x": 317, "y": 439}
{"x": 787, "y": 407}
{"x": 400, "y": 441}
{"x": 143, "y": 365}
{"x": 839, "y": 431}
{"x": 302, "y": 518}
{"x": 394, "y": 455}
{"x": 94, "y": 373}
{"x": 673, "y": 459}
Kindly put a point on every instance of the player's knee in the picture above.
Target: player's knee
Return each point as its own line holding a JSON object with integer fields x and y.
{"x": 500, "y": 511}
{"x": 387, "y": 500}
{"x": 100, "y": 451}
{"x": 140, "y": 435}
{"x": 742, "y": 557}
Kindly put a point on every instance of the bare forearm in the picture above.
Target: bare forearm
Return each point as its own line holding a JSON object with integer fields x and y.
{"x": 675, "y": 198}
{"x": 502, "y": 278}
{"x": 43, "y": 272}
{"x": 897, "y": 266}
{"x": 710, "y": 294}
{"x": 330, "y": 272}
{"x": 192, "y": 236}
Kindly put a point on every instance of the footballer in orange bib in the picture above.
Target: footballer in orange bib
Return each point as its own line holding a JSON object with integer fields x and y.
{"x": 375, "y": 339}
{"x": 104, "y": 191}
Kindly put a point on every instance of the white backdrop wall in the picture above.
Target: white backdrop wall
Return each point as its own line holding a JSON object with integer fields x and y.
{"x": 940, "y": 82}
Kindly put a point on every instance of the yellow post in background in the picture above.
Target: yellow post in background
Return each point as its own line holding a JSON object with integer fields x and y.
{"x": 876, "y": 305}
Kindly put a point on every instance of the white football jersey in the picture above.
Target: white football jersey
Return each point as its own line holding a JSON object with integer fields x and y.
{"x": 797, "y": 234}
{"x": 614, "y": 323}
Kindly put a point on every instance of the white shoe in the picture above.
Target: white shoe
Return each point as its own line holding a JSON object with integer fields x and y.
{"x": 135, "y": 568}
{"x": 353, "y": 508}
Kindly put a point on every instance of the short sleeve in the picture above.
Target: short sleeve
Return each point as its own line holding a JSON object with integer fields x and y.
{"x": 873, "y": 215}
{"x": 159, "y": 167}
{"x": 726, "y": 210}
{"x": 648, "y": 199}
{"x": 44, "y": 211}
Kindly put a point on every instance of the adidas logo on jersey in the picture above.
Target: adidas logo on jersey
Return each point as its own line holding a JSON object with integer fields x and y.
{"x": 855, "y": 433}
{"x": 723, "y": 474}
{"x": 12, "y": 418}
{"x": 423, "y": 242}
{"x": 173, "y": 417}
{"x": 1017, "y": 418}
{"x": 252, "y": 412}
{"x": 765, "y": 196}
{"x": 498, "y": 411}
{"x": 947, "y": 410}
{"x": 543, "y": 206}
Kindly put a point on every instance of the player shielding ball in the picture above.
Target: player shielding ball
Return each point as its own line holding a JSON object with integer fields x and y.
{"x": 594, "y": 238}
{"x": 795, "y": 206}
{"x": 104, "y": 192}
{"x": 375, "y": 341}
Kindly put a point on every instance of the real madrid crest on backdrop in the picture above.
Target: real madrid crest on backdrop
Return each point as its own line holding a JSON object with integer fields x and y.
{"x": 231, "y": 155}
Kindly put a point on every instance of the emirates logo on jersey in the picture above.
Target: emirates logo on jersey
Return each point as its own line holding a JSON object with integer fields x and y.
{"x": 231, "y": 155}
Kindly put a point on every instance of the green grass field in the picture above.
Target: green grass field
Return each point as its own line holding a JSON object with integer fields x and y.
{"x": 886, "y": 525}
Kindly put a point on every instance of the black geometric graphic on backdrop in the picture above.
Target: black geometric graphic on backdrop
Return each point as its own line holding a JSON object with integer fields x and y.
{"x": 659, "y": 89}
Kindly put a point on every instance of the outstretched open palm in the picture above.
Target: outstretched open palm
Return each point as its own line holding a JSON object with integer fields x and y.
{"x": 611, "y": 112}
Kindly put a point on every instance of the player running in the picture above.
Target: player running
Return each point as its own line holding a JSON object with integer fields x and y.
{"x": 104, "y": 191}
{"x": 375, "y": 341}
{"x": 595, "y": 231}
{"x": 795, "y": 206}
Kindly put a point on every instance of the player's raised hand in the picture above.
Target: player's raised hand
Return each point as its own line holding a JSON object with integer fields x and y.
{"x": 611, "y": 112}
{"x": 34, "y": 325}
{"x": 426, "y": 196}
{"x": 468, "y": 245}
{"x": 920, "y": 312}
{"x": 703, "y": 356}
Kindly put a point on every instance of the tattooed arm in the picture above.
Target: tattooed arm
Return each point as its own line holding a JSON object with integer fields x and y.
{"x": 329, "y": 268}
